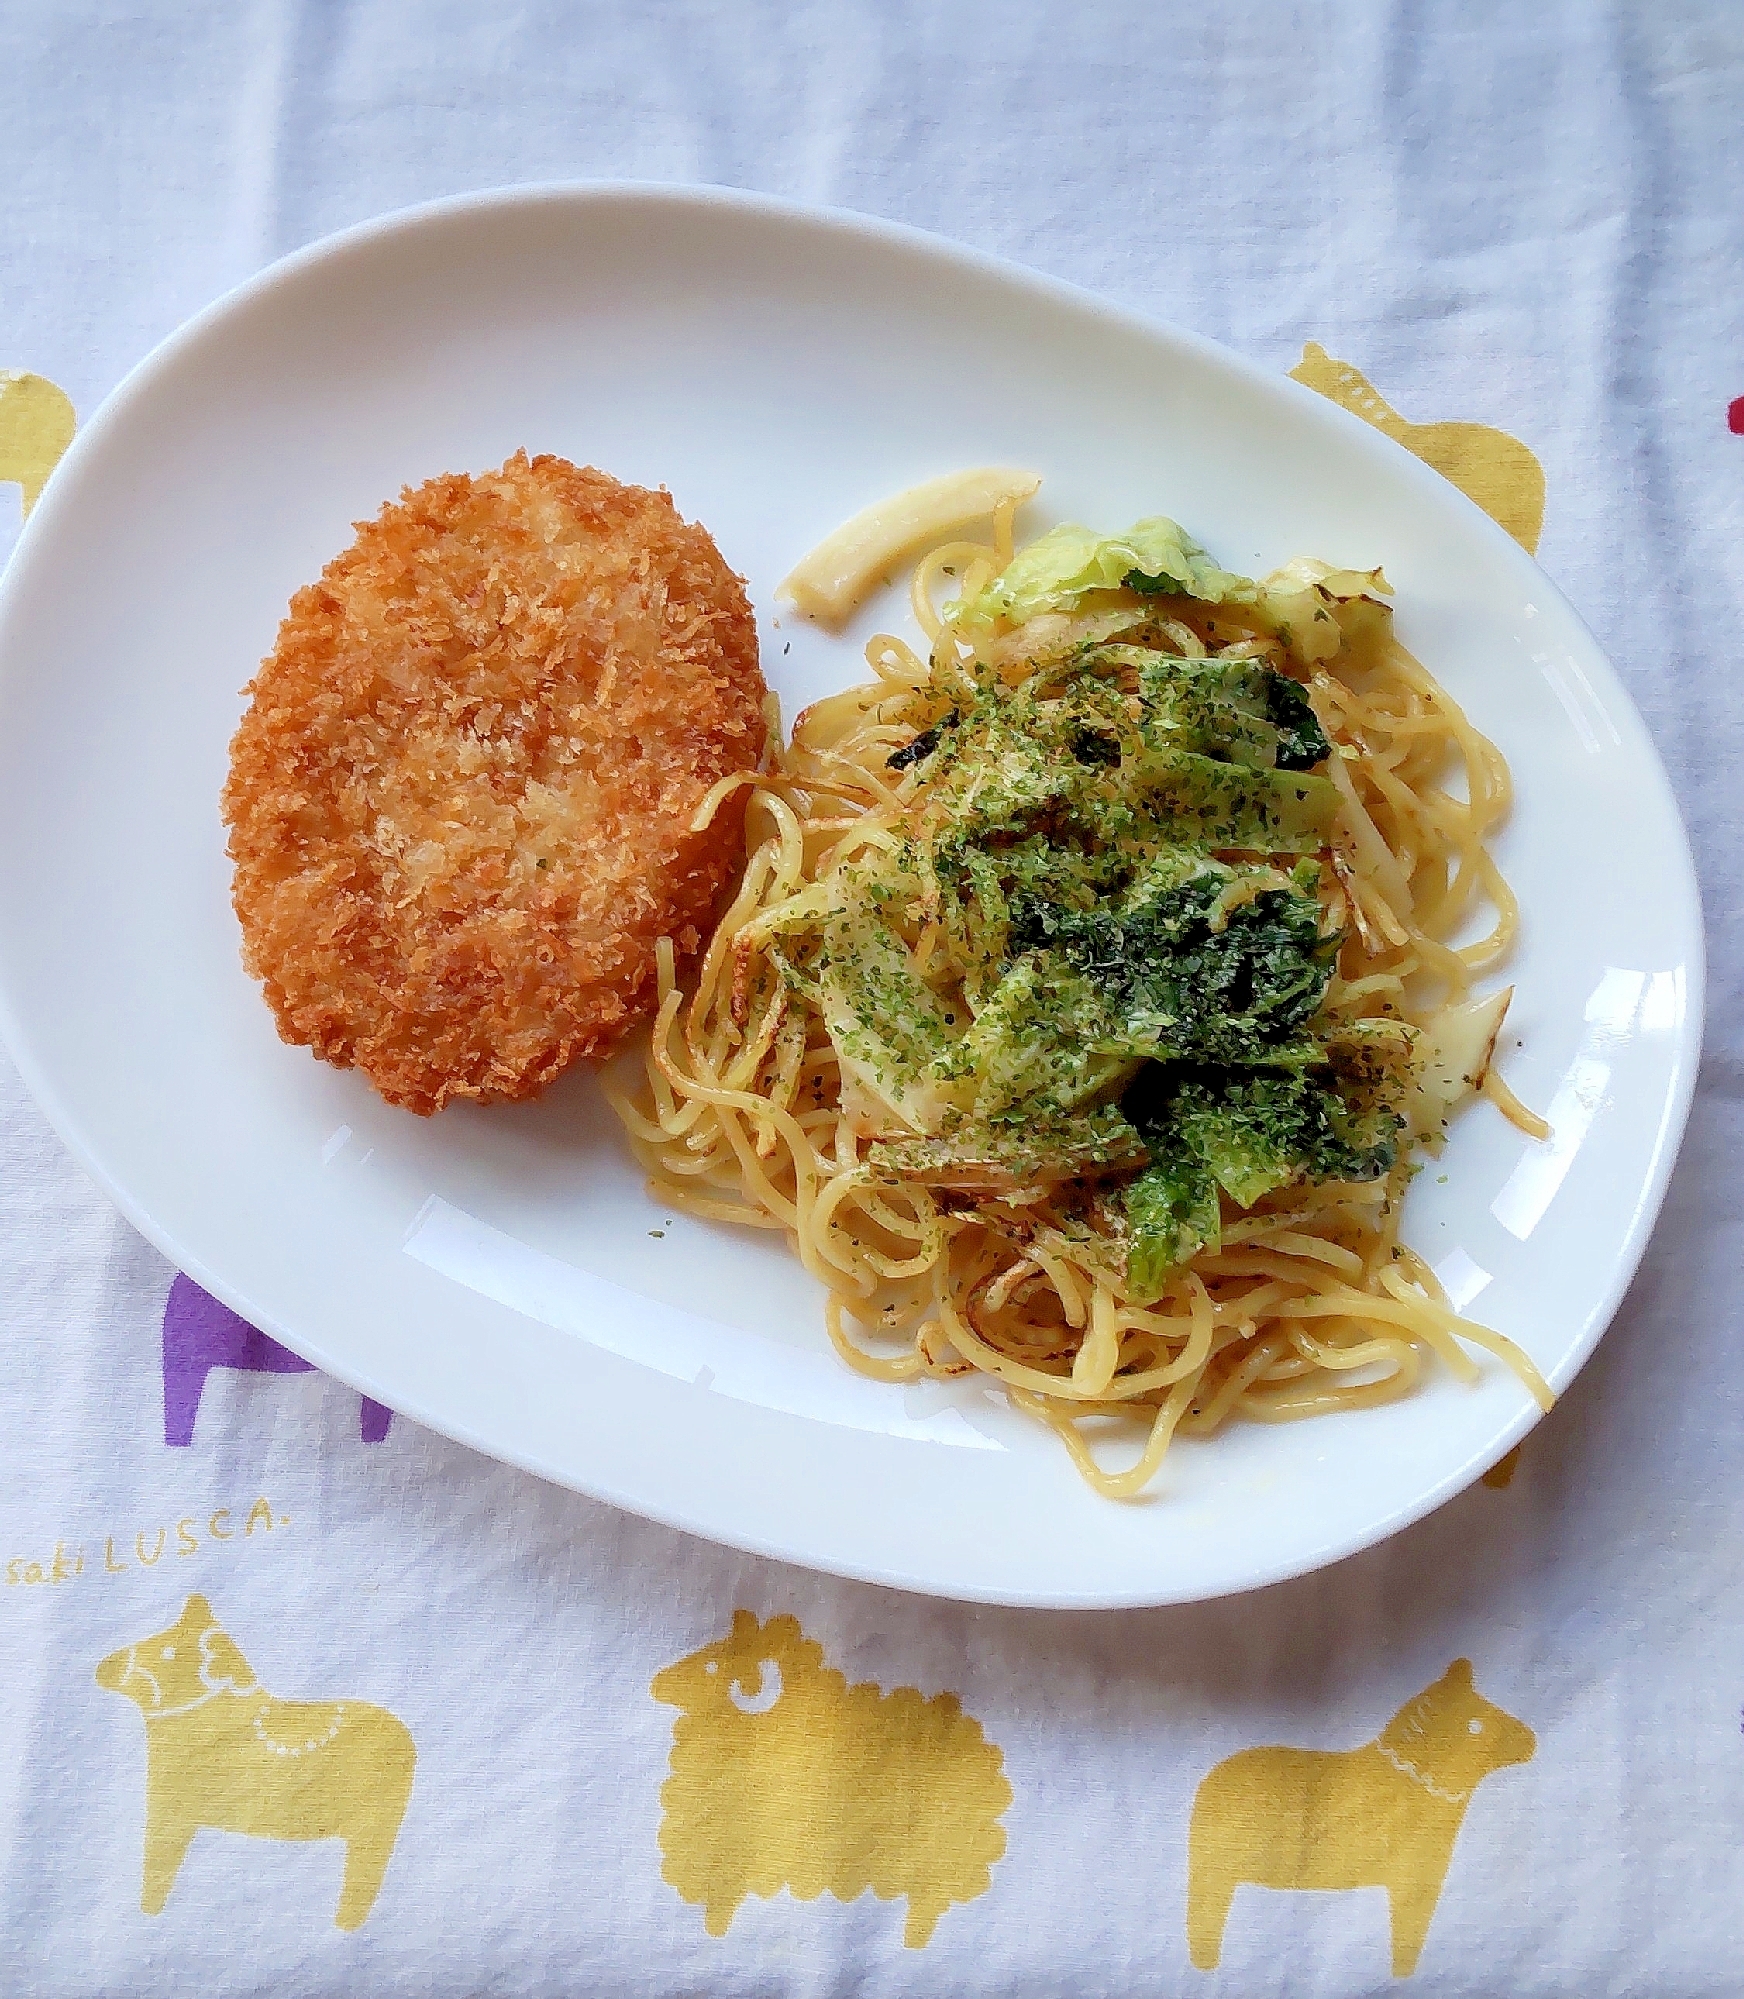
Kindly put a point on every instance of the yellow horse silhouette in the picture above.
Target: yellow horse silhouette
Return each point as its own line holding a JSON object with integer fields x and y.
{"x": 1383, "y": 1816}
{"x": 1488, "y": 466}
{"x": 36, "y": 426}
{"x": 221, "y": 1751}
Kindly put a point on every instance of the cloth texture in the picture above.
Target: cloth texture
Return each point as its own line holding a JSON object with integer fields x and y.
{"x": 1522, "y": 1715}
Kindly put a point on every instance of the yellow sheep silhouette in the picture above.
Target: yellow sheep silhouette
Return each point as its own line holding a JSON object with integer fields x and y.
{"x": 784, "y": 1776}
{"x": 1487, "y": 465}
{"x": 36, "y": 426}
{"x": 1383, "y": 1816}
{"x": 221, "y": 1751}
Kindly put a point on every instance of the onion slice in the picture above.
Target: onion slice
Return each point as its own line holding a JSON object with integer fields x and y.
{"x": 832, "y": 581}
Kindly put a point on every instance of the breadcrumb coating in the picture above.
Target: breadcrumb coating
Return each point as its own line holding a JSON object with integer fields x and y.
{"x": 459, "y": 802}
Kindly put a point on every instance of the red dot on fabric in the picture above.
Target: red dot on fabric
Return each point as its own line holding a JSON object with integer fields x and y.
{"x": 1735, "y": 417}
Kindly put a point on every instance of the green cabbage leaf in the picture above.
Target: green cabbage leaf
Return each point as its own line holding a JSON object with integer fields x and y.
{"x": 1054, "y": 573}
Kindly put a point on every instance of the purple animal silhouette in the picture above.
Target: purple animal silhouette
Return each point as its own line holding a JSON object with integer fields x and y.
{"x": 199, "y": 1334}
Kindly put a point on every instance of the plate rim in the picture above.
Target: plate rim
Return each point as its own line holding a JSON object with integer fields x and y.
{"x": 1674, "y": 1112}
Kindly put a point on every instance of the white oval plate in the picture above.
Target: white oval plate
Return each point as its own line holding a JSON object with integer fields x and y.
{"x": 500, "y": 1274}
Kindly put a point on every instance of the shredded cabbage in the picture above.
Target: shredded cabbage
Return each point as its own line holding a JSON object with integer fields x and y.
{"x": 1057, "y": 571}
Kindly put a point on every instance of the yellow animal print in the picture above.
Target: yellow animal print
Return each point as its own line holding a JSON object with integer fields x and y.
{"x": 1383, "y": 1816}
{"x": 221, "y": 1751}
{"x": 36, "y": 426}
{"x": 1488, "y": 466}
{"x": 784, "y": 1776}
{"x": 1501, "y": 1474}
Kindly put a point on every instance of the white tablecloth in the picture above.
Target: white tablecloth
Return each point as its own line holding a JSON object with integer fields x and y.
{"x": 1528, "y": 218}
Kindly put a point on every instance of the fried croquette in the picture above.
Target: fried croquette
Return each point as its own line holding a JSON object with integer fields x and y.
{"x": 460, "y": 799}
